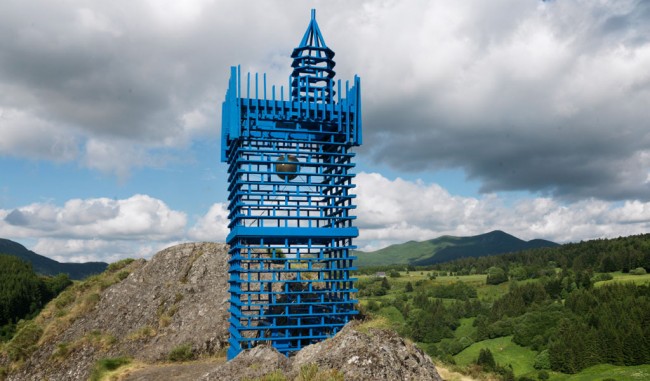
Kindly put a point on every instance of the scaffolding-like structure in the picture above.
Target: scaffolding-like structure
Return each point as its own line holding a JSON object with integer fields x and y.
{"x": 290, "y": 202}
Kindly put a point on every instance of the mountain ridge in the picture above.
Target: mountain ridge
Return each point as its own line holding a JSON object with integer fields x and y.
{"x": 47, "y": 266}
{"x": 446, "y": 248}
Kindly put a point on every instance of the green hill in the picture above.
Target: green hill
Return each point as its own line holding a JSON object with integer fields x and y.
{"x": 447, "y": 248}
{"x": 46, "y": 266}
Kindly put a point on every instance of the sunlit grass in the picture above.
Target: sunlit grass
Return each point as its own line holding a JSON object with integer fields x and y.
{"x": 465, "y": 329}
{"x": 619, "y": 277}
{"x": 604, "y": 371}
{"x": 505, "y": 353}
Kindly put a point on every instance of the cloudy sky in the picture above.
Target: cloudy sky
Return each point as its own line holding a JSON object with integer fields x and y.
{"x": 527, "y": 116}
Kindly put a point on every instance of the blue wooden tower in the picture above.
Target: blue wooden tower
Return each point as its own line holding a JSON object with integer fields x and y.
{"x": 290, "y": 202}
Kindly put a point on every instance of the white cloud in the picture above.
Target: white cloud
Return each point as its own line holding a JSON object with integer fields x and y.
{"x": 98, "y": 229}
{"x": 28, "y": 136}
{"x": 120, "y": 156}
{"x": 102, "y": 229}
{"x": 389, "y": 211}
{"x": 98, "y": 249}
{"x": 395, "y": 211}
{"x": 213, "y": 226}
{"x": 139, "y": 217}
{"x": 522, "y": 95}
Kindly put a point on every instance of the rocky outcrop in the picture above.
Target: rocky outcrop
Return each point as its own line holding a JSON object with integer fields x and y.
{"x": 181, "y": 294}
{"x": 372, "y": 355}
{"x": 179, "y": 297}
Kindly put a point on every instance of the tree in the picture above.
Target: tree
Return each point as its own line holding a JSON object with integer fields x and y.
{"x": 496, "y": 275}
{"x": 542, "y": 361}
{"x": 518, "y": 273}
{"x": 486, "y": 359}
{"x": 52, "y": 286}
{"x": 482, "y": 331}
{"x": 23, "y": 293}
{"x": 409, "y": 287}
{"x": 20, "y": 290}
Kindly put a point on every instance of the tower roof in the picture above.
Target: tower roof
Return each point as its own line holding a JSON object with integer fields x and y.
{"x": 313, "y": 66}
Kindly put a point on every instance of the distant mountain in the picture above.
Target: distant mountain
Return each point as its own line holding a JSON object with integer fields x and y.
{"x": 46, "y": 266}
{"x": 447, "y": 248}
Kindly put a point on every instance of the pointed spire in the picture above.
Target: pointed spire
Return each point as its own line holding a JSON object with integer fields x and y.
{"x": 313, "y": 66}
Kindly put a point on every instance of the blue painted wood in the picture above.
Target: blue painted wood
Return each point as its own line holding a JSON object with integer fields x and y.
{"x": 290, "y": 178}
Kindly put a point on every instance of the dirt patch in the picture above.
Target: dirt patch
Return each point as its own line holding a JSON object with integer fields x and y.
{"x": 172, "y": 372}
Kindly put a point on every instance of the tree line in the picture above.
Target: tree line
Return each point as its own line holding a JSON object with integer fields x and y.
{"x": 551, "y": 305}
{"x": 23, "y": 293}
{"x": 623, "y": 254}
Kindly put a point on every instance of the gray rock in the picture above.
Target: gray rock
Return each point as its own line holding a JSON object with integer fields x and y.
{"x": 250, "y": 364}
{"x": 179, "y": 297}
{"x": 373, "y": 355}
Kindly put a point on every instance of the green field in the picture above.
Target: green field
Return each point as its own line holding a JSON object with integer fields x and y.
{"x": 484, "y": 291}
{"x": 465, "y": 329}
{"x": 505, "y": 353}
{"x": 623, "y": 278}
{"x": 604, "y": 371}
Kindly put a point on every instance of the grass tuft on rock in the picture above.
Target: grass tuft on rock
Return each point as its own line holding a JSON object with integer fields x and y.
{"x": 181, "y": 353}
{"x": 107, "y": 365}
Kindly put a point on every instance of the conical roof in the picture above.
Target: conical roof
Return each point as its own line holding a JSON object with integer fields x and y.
{"x": 313, "y": 66}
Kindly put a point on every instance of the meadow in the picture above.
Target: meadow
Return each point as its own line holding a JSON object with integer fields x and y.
{"x": 401, "y": 296}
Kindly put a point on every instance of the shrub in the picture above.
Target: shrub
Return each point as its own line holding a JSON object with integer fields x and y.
{"x": 311, "y": 372}
{"x": 122, "y": 275}
{"x": 496, "y": 275}
{"x": 90, "y": 302}
{"x": 542, "y": 360}
{"x": 7, "y": 332}
{"x": 24, "y": 342}
{"x": 62, "y": 350}
{"x": 93, "y": 298}
{"x": 181, "y": 353}
{"x": 99, "y": 339}
{"x": 372, "y": 305}
{"x": 638, "y": 271}
{"x": 64, "y": 299}
{"x": 543, "y": 375}
{"x": 142, "y": 333}
{"x": 465, "y": 342}
{"x": 119, "y": 265}
{"x": 456, "y": 290}
{"x": 500, "y": 328}
{"x": 106, "y": 365}
{"x": 164, "y": 321}
{"x": 447, "y": 359}
{"x": 308, "y": 372}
